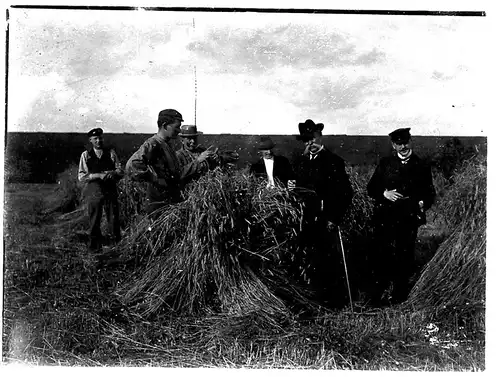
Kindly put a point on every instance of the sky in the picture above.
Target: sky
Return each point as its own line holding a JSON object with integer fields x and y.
{"x": 248, "y": 73}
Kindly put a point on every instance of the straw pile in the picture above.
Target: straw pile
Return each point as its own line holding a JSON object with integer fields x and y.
{"x": 455, "y": 278}
{"x": 225, "y": 249}
{"x": 67, "y": 196}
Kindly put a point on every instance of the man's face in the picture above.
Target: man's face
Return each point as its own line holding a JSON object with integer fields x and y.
{"x": 190, "y": 142}
{"x": 313, "y": 145}
{"x": 265, "y": 153}
{"x": 403, "y": 148}
{"x": 173, "y": 129}
{"x": 96, "y": 141}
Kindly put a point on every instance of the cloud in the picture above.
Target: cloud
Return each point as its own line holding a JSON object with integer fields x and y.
{"x": 299, "y": 45}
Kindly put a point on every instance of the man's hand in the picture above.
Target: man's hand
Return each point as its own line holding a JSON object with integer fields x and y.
{"x": 204, "y": 155}
{"x": 108, "y": 175}
{"x": 331, "y": 225}
{"x": 291, "y": 184}
{"x": 392, "y": 195}
{"x": 161, "y": 182}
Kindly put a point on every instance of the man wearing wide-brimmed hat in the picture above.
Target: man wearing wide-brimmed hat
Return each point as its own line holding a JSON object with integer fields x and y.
{"x": 194, "y": 159}
{"x": 156, "y": 163}
{"x": 274, "y": 168}
{"x": 324, "y": 185}
{"x": 100, "y": 170}
{"x": 403, "y": 190}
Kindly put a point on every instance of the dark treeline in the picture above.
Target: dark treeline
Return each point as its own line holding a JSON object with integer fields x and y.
{"x": 40, "y": 157}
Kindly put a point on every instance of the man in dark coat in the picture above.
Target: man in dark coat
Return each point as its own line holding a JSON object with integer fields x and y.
{"x": 100, "y": 170}
{"x": 273, "y": 167}
{"x": 324, "y": 186}
{"x": 403, "y": 190}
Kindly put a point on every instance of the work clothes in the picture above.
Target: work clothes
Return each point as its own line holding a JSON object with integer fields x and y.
{"x": 156, "y": 163}
{"x": 100, "y": 195}
{"x": 191, "y": 168}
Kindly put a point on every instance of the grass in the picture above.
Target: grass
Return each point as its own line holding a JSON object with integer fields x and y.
{"x": 59, "y": 310}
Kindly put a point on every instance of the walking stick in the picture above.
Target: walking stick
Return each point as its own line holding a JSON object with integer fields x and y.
{"x": 345, "y": 268}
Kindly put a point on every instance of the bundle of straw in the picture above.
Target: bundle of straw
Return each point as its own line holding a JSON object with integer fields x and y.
{"x": 68, "y": 195}
{"x": 455, "y": 278}
{"x": 225, "y": 249}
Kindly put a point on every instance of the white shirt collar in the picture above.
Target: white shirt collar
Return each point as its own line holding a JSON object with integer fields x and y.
{"x": 312, "y": 156}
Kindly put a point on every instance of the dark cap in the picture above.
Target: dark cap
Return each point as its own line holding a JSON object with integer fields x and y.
{"x": 188, "y": 130}
{"x": 265, "y": 143}
{"x": 95, "y": 132}
{"x": 401, "y": 135}
{"x": 308, "y": 129}
{"x": 168, "y": 116}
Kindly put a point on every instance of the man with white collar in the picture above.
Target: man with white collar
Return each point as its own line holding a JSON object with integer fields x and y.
{"x": 325, "y": 188}
{"x": 100, "y": 170}
{"x": 273, "y": 167}
{"x": 403, "y": 190}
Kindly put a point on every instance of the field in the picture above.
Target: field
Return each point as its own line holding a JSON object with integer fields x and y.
{"x": 60, "y": 307}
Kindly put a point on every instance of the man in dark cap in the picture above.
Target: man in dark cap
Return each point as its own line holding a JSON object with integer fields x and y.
{"x": 100, "y": 170}
{"x": 327, "y": 194}
{"x": 403, "y": 190}
{"x": 194, "y": 159}
{"x": 271, "y": 166}
{"x": 156, "y": 163}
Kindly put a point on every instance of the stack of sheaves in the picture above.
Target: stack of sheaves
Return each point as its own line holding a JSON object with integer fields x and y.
{"x": 228, "y": 248}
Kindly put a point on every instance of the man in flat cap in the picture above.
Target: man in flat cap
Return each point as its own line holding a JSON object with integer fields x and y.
{"x": 156, "y": 163}
{"x": 403, "y": 190}
{"x": 270, "y": 165}
{"x": 194, "y": 159}
{"x": 100, "y": 170}
{"x": 327, "y": 194}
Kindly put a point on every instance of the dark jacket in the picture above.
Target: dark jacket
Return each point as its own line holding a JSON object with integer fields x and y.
{"x": 413, "y": 180}
{"x": 282, "y": 170}
{"x": 326, "y": 176}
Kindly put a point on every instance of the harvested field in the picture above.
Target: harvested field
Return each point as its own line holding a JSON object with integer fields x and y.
{"x": 63, "y": 306}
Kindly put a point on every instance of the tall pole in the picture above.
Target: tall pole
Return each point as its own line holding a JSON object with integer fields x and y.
{"x": 195, "y": 94}
{"x": 345, "y": 268}
{"x": 195, "y": 86}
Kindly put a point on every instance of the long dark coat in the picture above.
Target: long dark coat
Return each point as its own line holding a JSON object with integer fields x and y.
{"x": 396, "y": 223}
{"x": 326, "y": 176}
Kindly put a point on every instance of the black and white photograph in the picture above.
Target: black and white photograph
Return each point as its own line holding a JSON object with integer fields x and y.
{"x": 280, "y": 188}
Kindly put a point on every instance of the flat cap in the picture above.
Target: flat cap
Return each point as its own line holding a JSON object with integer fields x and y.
{"x": 168, "y": 116}
{"x": 95, "y": 132}
{"x": 401, "y": 135}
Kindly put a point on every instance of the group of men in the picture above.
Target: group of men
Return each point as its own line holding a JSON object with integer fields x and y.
{"x": 401, "y": 186}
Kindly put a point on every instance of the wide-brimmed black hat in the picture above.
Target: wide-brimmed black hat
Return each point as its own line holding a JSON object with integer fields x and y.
{"x": 308, "y": 129}
{"x": 265, "y": 143}
{"x": 401, "y": 135}
{"x": 188, "y": 130}
{"x": 95, "y": 132}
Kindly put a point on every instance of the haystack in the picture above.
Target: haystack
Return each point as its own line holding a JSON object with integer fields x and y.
{"x": 455, "y": 278}
{"x": 67, "y": 196}
{"x": 226, "y": 249}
